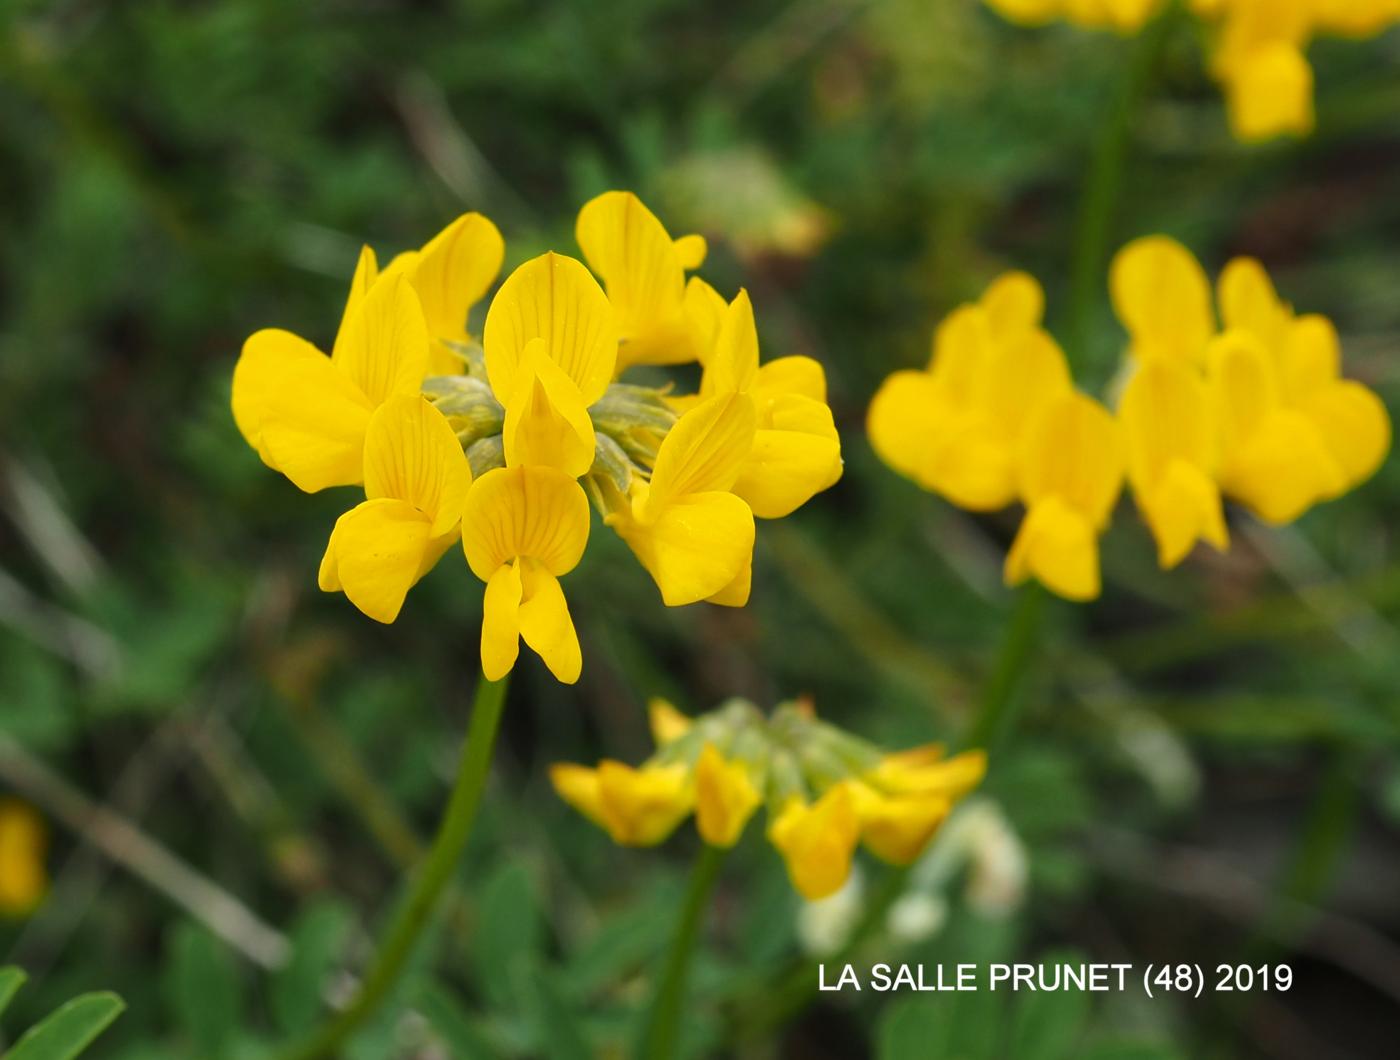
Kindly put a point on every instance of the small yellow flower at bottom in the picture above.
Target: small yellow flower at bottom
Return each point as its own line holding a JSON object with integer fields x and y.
{"x": 416, "y": 480}
{"x": 23, "y": 841}
{"x": 817, "y": 840}
{"x": 523, "y": 528}
{"x": 1071, "y": 470}
{"x": 725, "y": 798}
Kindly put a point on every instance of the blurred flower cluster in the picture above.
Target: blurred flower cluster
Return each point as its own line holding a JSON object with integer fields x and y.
{"x": 1255, "y": 410}
{"x": 1258, "y": 49}
{"x": 824, "y": 789}
{"x": 501, "y": 443}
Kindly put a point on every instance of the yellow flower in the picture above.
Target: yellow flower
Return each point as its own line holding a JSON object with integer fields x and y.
{"x": 692, "y": 535}
{"x": 666, "y": 722}
{"x": 1170, "y": 432}
{"x": 644, "y": 271}
{"x": 637, "y": 807}
{"x": 522, "y": 529}
{"x": 817, "y": 840}
{"x": 550, "y": 349}
{"x": 725, "y": 797}
{"x": 451, "y": 273}
{"x": 955, "y": 427}
{"x": 796, "y": 451}
{"x": 416, "y": 481}
{"x": 1070, "y": 472}
{"x": 23, "y": 843}
{"x": 305, "y": 413}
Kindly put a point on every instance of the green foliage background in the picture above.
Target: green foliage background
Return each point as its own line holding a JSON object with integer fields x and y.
{"x": 1207, "y": 768}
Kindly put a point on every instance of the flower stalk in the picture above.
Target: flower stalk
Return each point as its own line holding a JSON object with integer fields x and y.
{"x": 428, "y": 888}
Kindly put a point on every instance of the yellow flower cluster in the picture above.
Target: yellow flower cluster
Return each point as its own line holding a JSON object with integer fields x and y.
{"x": 1258, "y": 51}
{"x": 1256, "y": 411}
{"x": 502, "y": 444}
{"x": 23, "y": 842}
{"x": 825, "y": 790}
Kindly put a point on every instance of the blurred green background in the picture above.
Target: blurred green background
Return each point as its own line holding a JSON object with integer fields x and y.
{"x": 1207, "y": 768}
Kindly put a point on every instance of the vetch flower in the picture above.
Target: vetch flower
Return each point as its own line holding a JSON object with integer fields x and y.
{"x": 1070, "y": 472}
{"x": 542, "y": 424}
{"x": 416, "y": 482}
{"x": 826, "y": 791}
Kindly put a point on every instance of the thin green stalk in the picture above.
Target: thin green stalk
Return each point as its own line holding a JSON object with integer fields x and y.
{"x": 1099, "y": 196}
{"x": 1001, "y": 702}
{"x": 663, "y": 1023}
{"x": 432, "y": 881}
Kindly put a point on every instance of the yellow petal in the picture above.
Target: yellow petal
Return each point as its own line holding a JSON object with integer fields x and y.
{"x": 629, "y": 248}
{"x": 578, "y": 786}
{"x": 1074, "y": 452}
{"x": 725, "y": 798}
{"x": 1182, "y": 506}
{"x": 1249, "y": 302}
{"x": 377, "y": 552}
{"x": 413, "y": 455}
{"x": 666, "y": 722}
{"x": 547, "y": 422}
{"x": 313, "y": 419}
{"x": 817, "y": 841}
{"x": 791, "y": 375}
{"x": 453, "y": 271}
{"x": 1056, "y": 545}
{"x": 734, "y": 363}
{"x": 1014, "y": 303}
{"x": 500, "y": 621}
{"x": 366, "y": 272}
{"x": 517, "y": 512}
{"x": 696, "y": 547}
{"x": 641, "y": 807}
{"x": 704, "y": 451}
{"x": 896, "y": 829}
{"x": 545, "y": 624}
{"x": 1270, "y": 93}
{"x": 785, "y": 469}
{"x": 1355, "y": 427}
{"x": 383, "y": 347}
{"x": 1163, "y": 297}
{"x": 260, "y": 374}
{"x": 551, "y": 297}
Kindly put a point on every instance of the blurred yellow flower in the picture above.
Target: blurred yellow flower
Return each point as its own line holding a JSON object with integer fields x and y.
{"x": 505, "y": 443}
{"x": 23, "y": 844}
{"x": 826, "y": 791}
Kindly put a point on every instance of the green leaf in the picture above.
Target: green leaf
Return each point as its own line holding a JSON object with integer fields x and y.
{"x": 1045, "y": 1025}
{"x": 69, "y": 1029}
{"x": 203, "y": 989}
{"x": 11, "y": 979}
{"x": 317, "y": 941}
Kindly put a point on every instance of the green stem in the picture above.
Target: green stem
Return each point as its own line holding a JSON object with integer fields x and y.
{"x": 663, "y": 1023}
{"x": 1001, "y": 702}
{"x": 435, "y": 875}
{"x": 1099, "y": 197}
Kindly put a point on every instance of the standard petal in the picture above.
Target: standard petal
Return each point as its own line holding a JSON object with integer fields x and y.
{"x": 546, "y": 626}
{"x": 313, "y": 424}
{"x": 1163, "y": 297}
{"x": 697, "y": 546}
{"x": 515, "y": 512}
{"x": 383, "y": 347}
{"x": 500, "y": 622}
{"x": 547, "y": 421}
{"x": 260, "y": 373}
{"x": 412, "y": 454}
{"x": 551, "y": 297}
{"x": 1056, "y": 545}
{"x": 377, "y": 552}
{"x": 704, "y": 451}
{"x": 453, "y": 271}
